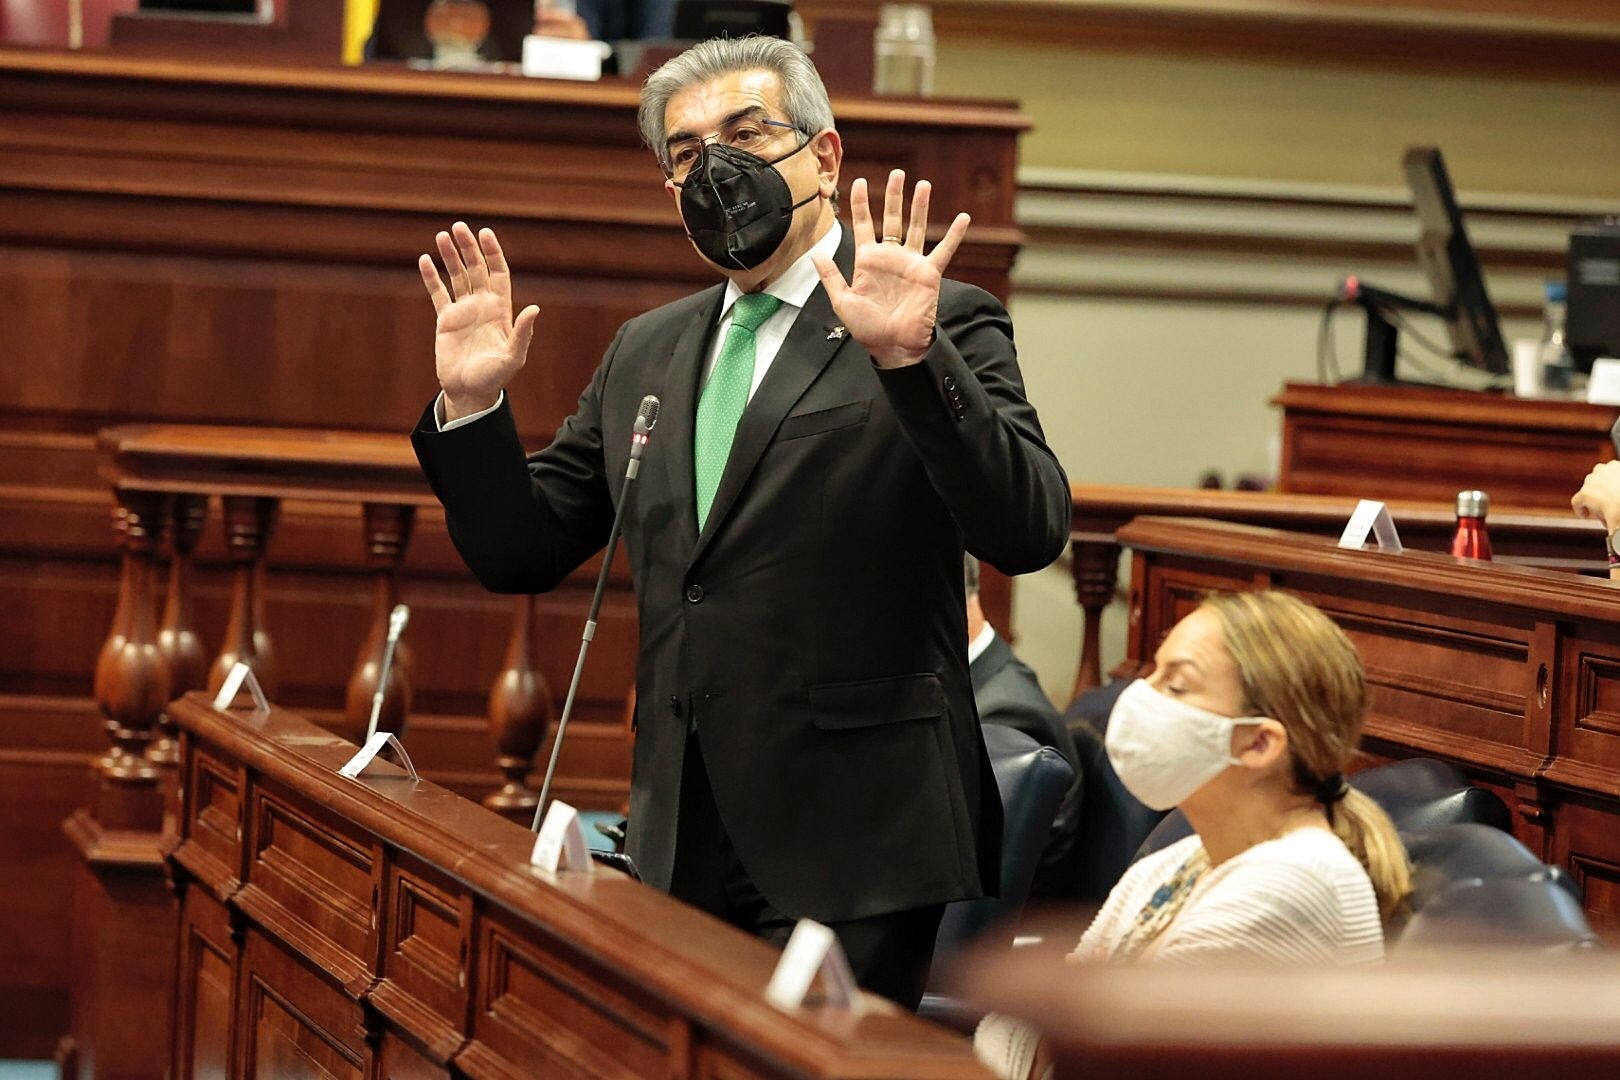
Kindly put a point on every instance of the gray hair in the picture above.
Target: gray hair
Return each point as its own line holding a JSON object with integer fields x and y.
{"x": 804, "y": 98}
{"x": 970, "y": 574}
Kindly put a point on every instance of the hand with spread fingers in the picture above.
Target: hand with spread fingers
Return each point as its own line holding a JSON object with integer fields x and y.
{"x": 477, "y": 346}
{"x": 891, "y": 301}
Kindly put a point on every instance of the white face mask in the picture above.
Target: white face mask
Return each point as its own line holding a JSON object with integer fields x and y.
{"x": 1164, "y": 749}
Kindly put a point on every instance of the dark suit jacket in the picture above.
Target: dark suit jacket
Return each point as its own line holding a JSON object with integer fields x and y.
{"x": 1007, "y": 692}
{"x": 815, "y": 629}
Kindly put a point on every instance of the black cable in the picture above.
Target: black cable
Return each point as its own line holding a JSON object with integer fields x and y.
{"x": 1326, "y": 347}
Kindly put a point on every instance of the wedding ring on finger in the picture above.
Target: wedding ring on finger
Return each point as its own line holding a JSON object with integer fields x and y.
{"x": 891, "y": 240}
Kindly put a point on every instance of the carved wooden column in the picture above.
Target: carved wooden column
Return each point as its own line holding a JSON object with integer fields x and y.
{"x": 1095, "y": 566}
{"x": 183, "y": 653}
{"x": 249, "y": 521}
{"x": 388, "y": 534}
{"x": 123, "y": 911}
{"x": 519, "y": 715}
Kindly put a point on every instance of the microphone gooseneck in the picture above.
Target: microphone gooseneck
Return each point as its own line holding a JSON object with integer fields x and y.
{"x": 646, "y": 417}
{"x": 397, "y": 620}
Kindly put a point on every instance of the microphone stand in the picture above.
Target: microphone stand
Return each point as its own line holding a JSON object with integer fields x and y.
{"x": 644, "y": 424}
{"x": 396, "y": 626}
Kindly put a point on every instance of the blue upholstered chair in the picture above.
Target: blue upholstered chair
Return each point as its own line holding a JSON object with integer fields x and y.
{"x": 1418, "y": 793}
{"x": 1113, "y": 824}
{"x": 1032, "y": 780}
{"x": 1532, "y": 913}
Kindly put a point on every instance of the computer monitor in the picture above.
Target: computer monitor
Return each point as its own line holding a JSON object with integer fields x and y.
{"x": 1455, "y": 282}
{"x": 1456, "y": 285}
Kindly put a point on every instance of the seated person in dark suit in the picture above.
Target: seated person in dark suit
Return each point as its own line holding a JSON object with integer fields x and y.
{"x": 1007, "y": 692}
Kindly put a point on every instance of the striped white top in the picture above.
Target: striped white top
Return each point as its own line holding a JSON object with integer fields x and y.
{"x": 1299, "y": 899}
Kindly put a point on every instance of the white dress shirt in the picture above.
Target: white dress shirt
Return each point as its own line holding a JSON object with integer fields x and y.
{"x": 976, "y": 647}
{"x": 793, "y": 287}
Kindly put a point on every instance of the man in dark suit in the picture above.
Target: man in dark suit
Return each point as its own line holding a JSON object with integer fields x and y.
{"x": 1006, "y": 691}
{"x": 838, "y": 422}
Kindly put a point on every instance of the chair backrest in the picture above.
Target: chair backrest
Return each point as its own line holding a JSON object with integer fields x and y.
{"x": 1469, "y": 851}
{"x": 1032, "y": 779}
{"x": 1113, "y": 824}
{"x": 1418, "y": 793}
{"x": 1518, "y": 914}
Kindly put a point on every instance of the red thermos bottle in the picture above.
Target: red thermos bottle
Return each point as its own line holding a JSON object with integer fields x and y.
{"x": 1471, "y": 540}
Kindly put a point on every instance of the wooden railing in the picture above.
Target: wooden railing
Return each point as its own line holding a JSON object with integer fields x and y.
{"x": 1529, "y": 538}
{"x": 165, "y": 479}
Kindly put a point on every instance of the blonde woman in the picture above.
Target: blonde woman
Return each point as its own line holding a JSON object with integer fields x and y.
{"x": 1247, "y": 723}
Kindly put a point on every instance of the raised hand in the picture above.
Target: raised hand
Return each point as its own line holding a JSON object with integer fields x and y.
{"x": 891, "y": 301}
{"x": 477, "y": 346}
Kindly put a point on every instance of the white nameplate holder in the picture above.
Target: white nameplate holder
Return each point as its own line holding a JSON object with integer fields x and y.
{"x": 560, "y": 844}
{"x": 240, "y": 675}
{"x": 1371, "y": 517}
{"x": 813, "y": 950}
{"x": 563, "y": 58}
{"x": 368, "y": 753}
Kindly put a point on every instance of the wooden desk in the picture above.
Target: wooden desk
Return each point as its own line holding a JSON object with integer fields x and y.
{"x": 1404, "y": 442}
{"x": 235, "y": 244}
{"x": 378, "y": 927}
{"x": 1552, "y": 539}
{"x": 1512, "y": 673}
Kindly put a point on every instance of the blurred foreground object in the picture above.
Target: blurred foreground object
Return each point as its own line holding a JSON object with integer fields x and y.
{"x": 1428, "y": 1015}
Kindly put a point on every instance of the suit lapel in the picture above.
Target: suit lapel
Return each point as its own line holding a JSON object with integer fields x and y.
{"x": 679, "y": 412}
{"x": 810, "y": 345}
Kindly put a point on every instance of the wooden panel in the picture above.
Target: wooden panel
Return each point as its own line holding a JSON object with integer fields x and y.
{"x": 427, "y": 944}
{"x": 206, "y": 973}
{"x": 1416, "y": 443}
{"x": 214, "y": 820}
{"x": 570, "y": 1016}
{"x": 296, "y": 1028}
{"x": 1586, "y": 842}
{"x": 313, "y": 880}
{"x": 396, "y": 1060}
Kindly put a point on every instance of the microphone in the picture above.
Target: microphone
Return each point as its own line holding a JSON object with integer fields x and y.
{"x": 396, "y": 626}
{"x": 646, "y": 417}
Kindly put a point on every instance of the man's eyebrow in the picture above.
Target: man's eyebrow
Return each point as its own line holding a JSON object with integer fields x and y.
{"x": 731, "y": 118}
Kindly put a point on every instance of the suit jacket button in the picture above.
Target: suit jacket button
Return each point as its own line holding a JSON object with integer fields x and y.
{"x": 950, "y": 382}
{"x": 694, "y": 594}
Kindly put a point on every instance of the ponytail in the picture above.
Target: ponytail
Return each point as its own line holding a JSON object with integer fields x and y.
{"x": 1367, "y": 831}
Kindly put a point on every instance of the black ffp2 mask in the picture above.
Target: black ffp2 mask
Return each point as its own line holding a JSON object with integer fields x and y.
{"x": 736, "y": 207}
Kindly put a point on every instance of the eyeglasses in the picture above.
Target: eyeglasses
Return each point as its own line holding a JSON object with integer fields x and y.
{"x": 751, "y": 133}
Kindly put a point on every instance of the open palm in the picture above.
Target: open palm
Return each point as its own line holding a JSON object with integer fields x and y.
{"x": 891, "y": 301}
{"x": 477, "y": 345}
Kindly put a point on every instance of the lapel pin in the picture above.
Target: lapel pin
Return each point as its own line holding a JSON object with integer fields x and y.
{"x": 835, "y": 333}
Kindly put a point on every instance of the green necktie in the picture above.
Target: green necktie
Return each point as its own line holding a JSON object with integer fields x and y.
{"x": 724, "y": 397}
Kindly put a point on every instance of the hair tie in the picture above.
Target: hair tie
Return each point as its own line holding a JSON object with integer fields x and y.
{"x": 1332, "y": 789}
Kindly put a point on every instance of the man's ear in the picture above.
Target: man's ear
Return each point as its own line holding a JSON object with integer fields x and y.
{"x": 829, "y": 151}
{"x": 669, "y": 186}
